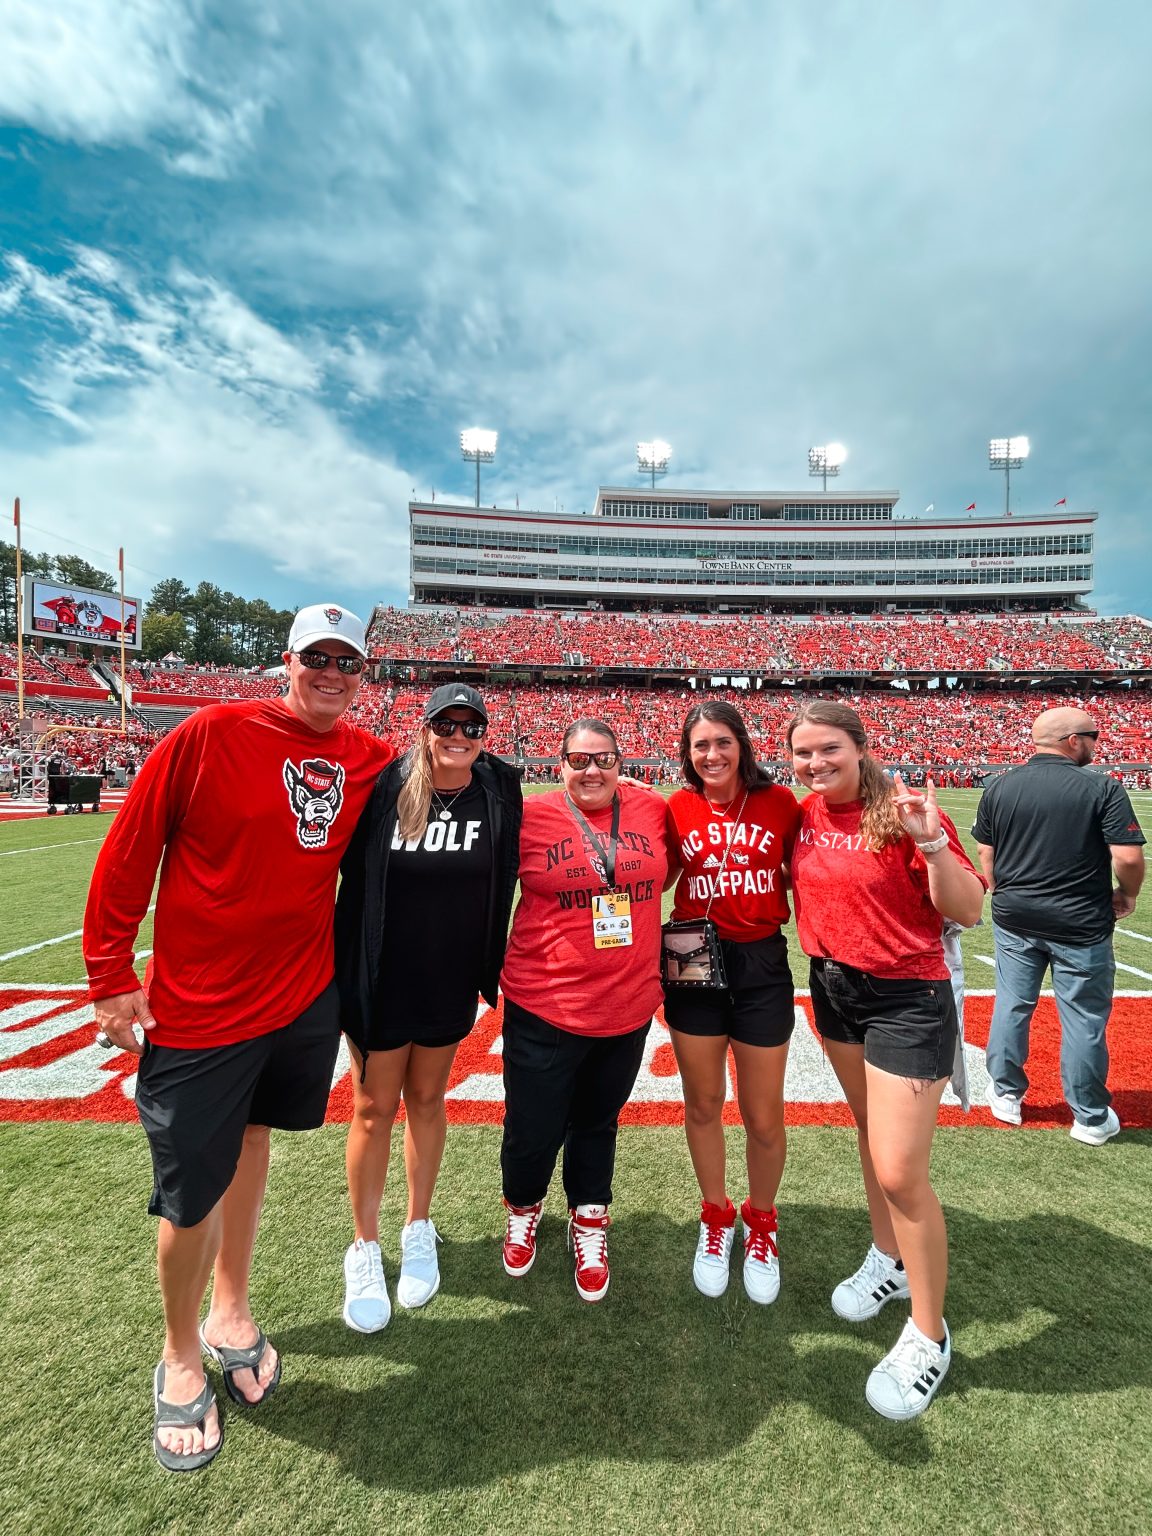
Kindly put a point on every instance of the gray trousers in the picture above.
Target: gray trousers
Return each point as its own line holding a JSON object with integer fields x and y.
{"x": 1082, "y": 979}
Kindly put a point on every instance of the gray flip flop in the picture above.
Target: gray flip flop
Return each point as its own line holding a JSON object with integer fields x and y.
{"x": 182, "y": 1416}
{"x": 231, "y": 1360}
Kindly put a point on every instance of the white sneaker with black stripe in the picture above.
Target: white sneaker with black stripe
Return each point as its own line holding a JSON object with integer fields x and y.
{"x": 878, "y": 1281}
{"x": 907, "y": 1378}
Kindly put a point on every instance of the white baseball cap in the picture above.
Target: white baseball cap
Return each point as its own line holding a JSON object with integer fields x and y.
{"x": 326, "y": 621}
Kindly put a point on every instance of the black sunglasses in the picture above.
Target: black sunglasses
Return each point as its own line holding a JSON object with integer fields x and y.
{"x": 472, "y": 729}
{"x": 580, "y": 760}
{"x": 1095, "y": 735}
{"x": 316, "y": 661}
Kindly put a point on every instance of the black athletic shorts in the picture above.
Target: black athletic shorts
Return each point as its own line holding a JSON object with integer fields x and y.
{"x": 758, "y": 1007}
{"x": 907, "y": 1027}
{"x": 194, "y": 1105}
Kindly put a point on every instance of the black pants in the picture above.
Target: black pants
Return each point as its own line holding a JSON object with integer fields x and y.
{"x": 563, "y": 1090}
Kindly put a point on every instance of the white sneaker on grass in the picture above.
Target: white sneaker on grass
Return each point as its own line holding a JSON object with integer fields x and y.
{"x": 907, "y": 1378}
{"x": 714, "y": 1249}
{"x": 1004, "y": 1106}
{"x": 1096, "y": 1135}
{"x": 761, "y": 1254}
{"x": 366, "y": 1305}
{"x": 419, "y": 1270}
{"x": 877, "y": 1282}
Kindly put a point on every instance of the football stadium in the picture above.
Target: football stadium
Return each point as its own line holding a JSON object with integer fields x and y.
{"x": 507, "y": 1402}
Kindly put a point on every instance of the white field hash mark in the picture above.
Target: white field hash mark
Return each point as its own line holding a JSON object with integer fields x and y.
{"x": 31, "y": 949}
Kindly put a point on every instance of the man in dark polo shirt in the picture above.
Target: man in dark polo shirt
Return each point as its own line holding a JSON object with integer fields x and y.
{"x": 1052, "y": 834}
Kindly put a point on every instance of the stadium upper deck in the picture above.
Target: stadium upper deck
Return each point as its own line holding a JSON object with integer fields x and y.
{"x": 704, "y": 552}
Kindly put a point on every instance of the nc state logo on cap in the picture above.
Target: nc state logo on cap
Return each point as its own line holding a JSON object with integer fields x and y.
{"x": 333, "y": 615}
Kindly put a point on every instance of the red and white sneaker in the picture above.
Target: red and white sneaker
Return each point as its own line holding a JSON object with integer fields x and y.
{"x": 714, "y": 1248}
{"x": 520, "y": 1237}
{"x": 761, "y": 1255}
{"x": 588, "y": 1236}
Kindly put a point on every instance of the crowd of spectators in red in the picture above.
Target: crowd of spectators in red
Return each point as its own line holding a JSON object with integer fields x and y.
{"x": 765, "y": 643}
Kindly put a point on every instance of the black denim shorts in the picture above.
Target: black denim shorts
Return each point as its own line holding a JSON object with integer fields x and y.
{"x": 758, "y": 1007}
{"x": 907, "y": 1027}
{"x": 194, "y": 1105}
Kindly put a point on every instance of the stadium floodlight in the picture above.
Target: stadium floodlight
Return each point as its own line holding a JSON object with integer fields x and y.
{"x": 1007, "y": 453}
{"x": 478, "y": 446}
{"x": 652, "y": 458}
{"x": 826, "y": 460}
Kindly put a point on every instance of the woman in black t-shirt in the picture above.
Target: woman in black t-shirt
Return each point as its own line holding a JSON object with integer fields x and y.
{"x": 421, "y": 923}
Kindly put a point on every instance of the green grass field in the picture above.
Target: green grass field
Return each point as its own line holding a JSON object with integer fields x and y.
{"x": 510, "y": 1404}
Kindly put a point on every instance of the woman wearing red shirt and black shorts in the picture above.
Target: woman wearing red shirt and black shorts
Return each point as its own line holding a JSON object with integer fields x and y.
{"x": 876, "y": 870}
{"x": 734, "y": 831}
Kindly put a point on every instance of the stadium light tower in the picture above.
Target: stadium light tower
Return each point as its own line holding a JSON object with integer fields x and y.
{"x": 826, "y": 461}
{"x": 652, "y": 458}
{"x": 478, "y": 446}
{"x": 1007, "y": 453}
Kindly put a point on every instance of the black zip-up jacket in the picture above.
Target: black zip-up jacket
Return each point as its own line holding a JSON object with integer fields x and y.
{"x": 360, "y": 914}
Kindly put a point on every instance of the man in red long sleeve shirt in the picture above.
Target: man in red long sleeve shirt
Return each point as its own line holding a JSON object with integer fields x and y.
{"x": 245, "y": 809}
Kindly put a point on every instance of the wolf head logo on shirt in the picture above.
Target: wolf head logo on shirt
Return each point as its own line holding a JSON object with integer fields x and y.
{"x": 316, "y": 793}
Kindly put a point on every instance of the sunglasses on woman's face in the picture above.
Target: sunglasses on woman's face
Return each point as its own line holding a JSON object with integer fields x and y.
{"x": 578, "y": 761}
{"x": 316, "y": 661}
{"x": 472, "y": 729}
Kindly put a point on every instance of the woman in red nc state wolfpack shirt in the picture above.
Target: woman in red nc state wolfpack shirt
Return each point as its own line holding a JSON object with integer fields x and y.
{"x": 734, "y": 830}
{"x": 876, "y": 870}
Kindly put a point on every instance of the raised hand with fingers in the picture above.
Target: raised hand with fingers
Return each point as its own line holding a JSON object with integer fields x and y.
{"x": 917, "y": 809}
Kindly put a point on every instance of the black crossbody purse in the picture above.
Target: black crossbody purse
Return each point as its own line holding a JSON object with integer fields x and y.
{"x": 690, "y": 953}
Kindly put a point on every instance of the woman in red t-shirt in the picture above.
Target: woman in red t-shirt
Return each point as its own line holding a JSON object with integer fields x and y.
{"x": 734, "y": 833}
{"x": 876, "y": 870}
{"x": 581, "y": 982}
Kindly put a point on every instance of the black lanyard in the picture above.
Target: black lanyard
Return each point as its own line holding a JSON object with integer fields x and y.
{"x": 605, "y": 865}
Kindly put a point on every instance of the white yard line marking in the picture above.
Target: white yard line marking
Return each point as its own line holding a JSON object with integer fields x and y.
{"x": 43, "y": 847}
{"x": 1129, "y": 934}
{"x": 31, "y": 949}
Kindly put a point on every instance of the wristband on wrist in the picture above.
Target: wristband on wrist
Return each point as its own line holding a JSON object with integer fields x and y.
{"x": 936, "y": 845}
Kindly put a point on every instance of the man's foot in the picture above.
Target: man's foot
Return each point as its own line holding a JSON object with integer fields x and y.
{"x": 761, "y": 1255}
{"x": 419, "y": 1270}
{"x": 1005, "y": 1106}
{"x": 366, "y": 1305}
{"x": 1096, "y": 1135}
{"x": 187, "y": 1432}
{"x": 520, "y": 1237}
{"x": 878, "y": 1281}
{"x": 251, "y": 1366}
{"x": 714, "y": 1248}
{"x": 906, "y": 1380}
{"x": 588, "y": 1236}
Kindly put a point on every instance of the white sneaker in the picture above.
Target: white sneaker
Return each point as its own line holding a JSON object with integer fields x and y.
{"x": 366, "y": 1304}
{"x": 419, "y": 1270}
{"x": 874, "y": 1285}
{"x": 905, "y": 1381}
{"x": 761, "y": 1255}
{"x": 1096, "y": 1135}
{"x": 713, "y": 1251}
{"x": 1005, "y": 1106}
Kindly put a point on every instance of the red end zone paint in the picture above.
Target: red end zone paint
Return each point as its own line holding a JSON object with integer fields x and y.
{"x": 51, "y": 1069}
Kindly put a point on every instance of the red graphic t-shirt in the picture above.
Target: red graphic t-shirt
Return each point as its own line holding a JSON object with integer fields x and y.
{"x": 552, "y": 967}
{"x": 251, "y": 811}
{"x": 865, "y": 908}
{"x": 746, "y": 890}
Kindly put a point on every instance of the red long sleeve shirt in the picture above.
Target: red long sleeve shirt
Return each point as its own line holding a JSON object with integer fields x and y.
{"x": 246, "y": 811}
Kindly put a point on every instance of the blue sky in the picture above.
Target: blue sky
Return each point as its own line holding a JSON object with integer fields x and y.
{"x": 260, "y": 263}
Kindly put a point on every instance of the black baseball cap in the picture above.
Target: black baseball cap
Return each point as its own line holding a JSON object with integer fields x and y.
{"x": 454, "y": 696}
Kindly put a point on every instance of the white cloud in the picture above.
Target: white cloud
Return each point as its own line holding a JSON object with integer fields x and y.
{"x": 128, "y": 72}
{"x": 197, "y": 426}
